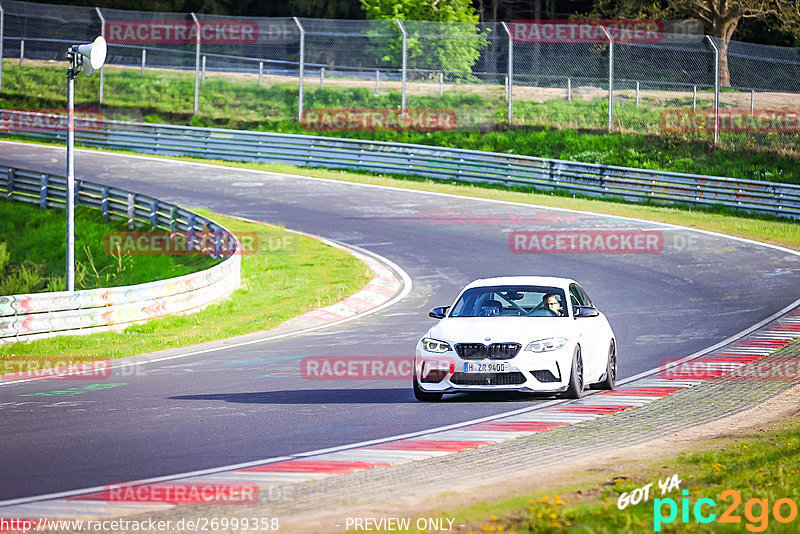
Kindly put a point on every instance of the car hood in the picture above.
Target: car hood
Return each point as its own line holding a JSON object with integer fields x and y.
{"x": 522, "y": 330}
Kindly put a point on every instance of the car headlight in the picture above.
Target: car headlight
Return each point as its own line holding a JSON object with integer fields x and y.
{"x": 434, "y": 345}
{"x": 546, "y": 345}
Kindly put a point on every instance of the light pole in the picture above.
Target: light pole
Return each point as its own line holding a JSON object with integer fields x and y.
{"x": 86, "y": 58}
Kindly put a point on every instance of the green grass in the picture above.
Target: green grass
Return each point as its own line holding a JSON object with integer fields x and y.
{"x": 762, "y": 466}
{"x": 36, "y": 245}
{"x": 277, "y": 283}
{"x": 555, "y": 129}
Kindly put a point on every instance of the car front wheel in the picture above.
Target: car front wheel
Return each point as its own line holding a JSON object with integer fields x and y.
{"x": 611, "y": 370}
{"x": 425, "y": 396}
{"x": 575, "y": 386}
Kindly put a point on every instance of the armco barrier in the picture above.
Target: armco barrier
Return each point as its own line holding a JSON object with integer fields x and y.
{"x": 605, "y": 181}
{"x": 39, "y": 315}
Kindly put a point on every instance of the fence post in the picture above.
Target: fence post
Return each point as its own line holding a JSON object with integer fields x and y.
{"x": 637, "y": 94}
{"x": 694, "y": 97}
{"x": 43, "y": 192}
{"x": 610, "y": 78}
{"x": 569, "y": 89}
{"x": 2, "y": 36}
{"x": 102, "y": 68}
{"x": 21, "y": 51}
{"x": 104, "y": 203}
{"x": 441, "y": 83}
{"x": 131, "y": 210}
{"x": 302, "y": 66}
{"x": 196, "y": 65}
{"x": 203, "y": 68}
{"x": 752, "y": 101}
{"x": 716, "y": 88}
{"x": 260, "y": 72}
{"x": 377, "y": 82}
{"x": 404, "y": 74}
{"x": 144, "y": 60}
{"x": 154, "y": 213}
{"x": 510, "y": 113}
{"x": 322, "y": 77}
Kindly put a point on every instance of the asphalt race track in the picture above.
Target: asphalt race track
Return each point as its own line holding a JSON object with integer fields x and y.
{"x": 248, "y": 403}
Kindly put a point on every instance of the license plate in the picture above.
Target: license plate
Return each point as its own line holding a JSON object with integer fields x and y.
{"x": 487, "y": 367}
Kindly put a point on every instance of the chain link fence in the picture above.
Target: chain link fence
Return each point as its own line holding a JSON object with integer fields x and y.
{"x": 354, "y": 75}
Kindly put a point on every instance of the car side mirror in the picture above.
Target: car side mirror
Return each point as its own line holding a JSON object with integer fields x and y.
{"x": 439, "y": 312}
{"x": 586, "y": 311}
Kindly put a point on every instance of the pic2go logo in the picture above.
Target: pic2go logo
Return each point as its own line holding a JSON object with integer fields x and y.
{"x": 756, "y": 511}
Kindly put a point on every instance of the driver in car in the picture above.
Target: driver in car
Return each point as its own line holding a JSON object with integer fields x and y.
{"x": 552, "y": 303}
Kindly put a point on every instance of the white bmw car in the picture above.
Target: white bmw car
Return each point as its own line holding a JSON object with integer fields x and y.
{"x": 517, "y": 333}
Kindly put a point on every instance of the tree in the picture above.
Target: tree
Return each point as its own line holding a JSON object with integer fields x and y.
{"x": 722, "y": 17}
{"x": 452, "y": 45}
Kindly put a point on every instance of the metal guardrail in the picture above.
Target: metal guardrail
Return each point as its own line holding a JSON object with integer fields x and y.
{"x": 595, "y": 180}
{"x": 39, "y": 315}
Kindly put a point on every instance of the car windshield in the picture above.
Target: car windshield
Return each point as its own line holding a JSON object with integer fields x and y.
{"x": 511, "y": 301}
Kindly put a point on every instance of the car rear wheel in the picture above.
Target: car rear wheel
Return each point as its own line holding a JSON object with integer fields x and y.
{"x": 575, "y": 386}
{"x": 425, "y": 396}
{"x": 611, "y": 370}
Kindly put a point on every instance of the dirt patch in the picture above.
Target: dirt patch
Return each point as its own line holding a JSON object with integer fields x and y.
{"x": 589, "y": 472}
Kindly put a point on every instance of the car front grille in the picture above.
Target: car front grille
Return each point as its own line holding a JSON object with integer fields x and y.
{"x": 544, "y": 376}
{"x": 488, "y": 379}
{"x": 495, "y": 351}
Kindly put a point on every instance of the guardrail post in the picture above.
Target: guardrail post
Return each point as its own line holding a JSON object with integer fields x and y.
{"x": 716, "y": 88}
{"x": 216, "y": 243}
{"x": 190, "y": 232}
{"x": 2, "y": 35}
{"x": 43, "y": 193}
{"x": 196, "y": 65}
{"x": 131, "y": 210}
{"x": 144, "y": 60}
{"x": 404, "y": 73}
{"x": 302, "y": 67}
{"x": 102, "y": 68}
{"x": 610, "y": 78}
{"x": 510, "y": 73}
{"x": 260, "y": 72}
{"x": 10, "y": 187}
{"x": 173, "y": 218}
{"x": 154, "y": 214}
{"x": 104, "y": 203}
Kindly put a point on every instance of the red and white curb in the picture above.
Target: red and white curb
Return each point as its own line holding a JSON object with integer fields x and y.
{"x": 282, "y": 472}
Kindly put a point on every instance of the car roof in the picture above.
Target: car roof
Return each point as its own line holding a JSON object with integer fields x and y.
{"x": 522, "y": 281}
